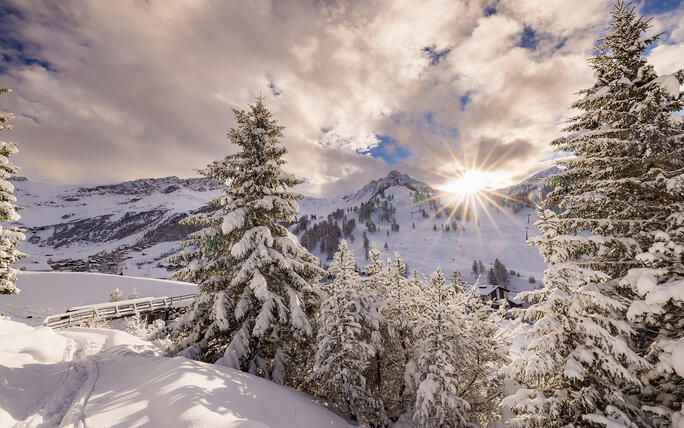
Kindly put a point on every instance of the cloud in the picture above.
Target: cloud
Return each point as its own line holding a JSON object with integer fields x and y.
{"x": 106, "y": 91}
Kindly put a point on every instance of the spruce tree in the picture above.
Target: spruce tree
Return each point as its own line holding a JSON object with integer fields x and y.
{"x": 10, "y": 236}
{"x": 577, "y": 365}
{"x": 501, "y": 273}
{"x": 626, "y": 144}
{"x": 344, "y": 343}
{"x": 398, "y": 303}
{"x": 659, "y": 310}
{"x": 256, "y": 298}
{"x": 439, "y": 384}
{"x": 627, "y": 154}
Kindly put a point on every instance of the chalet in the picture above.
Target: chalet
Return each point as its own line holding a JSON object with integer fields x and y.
{"x": 496, "y": 293}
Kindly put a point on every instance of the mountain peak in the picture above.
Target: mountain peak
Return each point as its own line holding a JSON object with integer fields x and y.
{"x": 393, "y": 178}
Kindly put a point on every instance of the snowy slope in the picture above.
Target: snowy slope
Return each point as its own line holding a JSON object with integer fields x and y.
{"x": 501, "y": 235}
{"x": 95, "y": 377}
{"x": 48, "y": 293}
{"x": 140, "y": 217}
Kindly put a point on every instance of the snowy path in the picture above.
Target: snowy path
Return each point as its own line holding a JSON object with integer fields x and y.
{"x": 97, "y": 377}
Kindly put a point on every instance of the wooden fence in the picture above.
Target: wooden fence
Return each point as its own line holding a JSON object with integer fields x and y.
{"x": 81, "y": 315}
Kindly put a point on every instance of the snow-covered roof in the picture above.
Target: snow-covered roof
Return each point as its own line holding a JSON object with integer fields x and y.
{"x": 486, "y": 289}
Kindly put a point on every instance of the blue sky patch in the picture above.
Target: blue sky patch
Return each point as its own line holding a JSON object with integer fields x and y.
{"x": 529, "y": 39}
{"x": 656, "y": 7}
{"x": 388, "y": 149}
{"x": 464, "y": 100}
{"x": 14, "y": 52}
{"x": 435, "y": 55}
{"x": 489, "y": 11}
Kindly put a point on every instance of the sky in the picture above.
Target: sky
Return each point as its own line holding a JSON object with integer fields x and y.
{"x": 111, "y": 91}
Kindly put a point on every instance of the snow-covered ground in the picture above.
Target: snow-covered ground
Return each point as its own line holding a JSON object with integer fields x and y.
{"x": 98, "y": 377}
{"x": 501, "y": 234}
{"x": 71, "y": 222}
{"x": 47, "y": 293}
{"x": 102, "y": 377}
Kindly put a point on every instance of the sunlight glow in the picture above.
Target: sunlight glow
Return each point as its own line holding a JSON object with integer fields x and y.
{"x": 472, "y": 181}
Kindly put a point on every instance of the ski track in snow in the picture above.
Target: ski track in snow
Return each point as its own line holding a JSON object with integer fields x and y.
{"x": 89, "y": 377}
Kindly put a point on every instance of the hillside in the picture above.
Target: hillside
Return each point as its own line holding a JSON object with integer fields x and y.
{"x": 130, "y": 227}
{"x": 106, "y": 377}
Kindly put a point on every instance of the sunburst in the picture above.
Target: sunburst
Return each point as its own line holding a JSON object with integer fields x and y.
{"x": 471, "y": 193}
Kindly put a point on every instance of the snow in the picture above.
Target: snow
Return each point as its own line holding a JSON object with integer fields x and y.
{"x": 97, "y": 377}
{"x": 678, "y": 358}
{"x": 662, "y": 293}
{"x": 670, "y": 85}
{"x": 501, "y": 235}
{"x": 48, "y": 293}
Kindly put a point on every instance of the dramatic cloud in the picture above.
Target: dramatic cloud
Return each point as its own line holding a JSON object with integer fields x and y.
{"x": 106, "y": 91}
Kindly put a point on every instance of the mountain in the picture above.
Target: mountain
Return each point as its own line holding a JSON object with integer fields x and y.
{"x": 527, "y": 193}
{"x": 131, "y": 227}
{"x": 394, "y": 178}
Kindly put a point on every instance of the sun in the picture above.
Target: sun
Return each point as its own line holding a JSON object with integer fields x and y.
{"x": 470, "y": 182}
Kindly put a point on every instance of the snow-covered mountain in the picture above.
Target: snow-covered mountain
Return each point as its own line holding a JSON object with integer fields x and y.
{"x": 129, "y": 227}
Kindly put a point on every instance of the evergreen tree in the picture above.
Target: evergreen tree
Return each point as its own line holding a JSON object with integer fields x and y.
{"x": 626, "y": 144}
{"x": 344, "y": 343}
{"x": 116, "y": 295}
{"x": 438, "y": 402}
{"x": 501, "y": 273}
{"x": 491, "y": 277}
{"x": 398, "y": 308}
{"x": 659, "y": 309}
{"x": 627, "y": 148}
{"x": 487, "y": 344}
{"x": 480, "y": 267}
{"x": 578, "y": 361}
{"x": 256, "y": 300}
{"x": 133, "y": 295}
{"x": 10, "y": 236}
{"x": 457, "y": 281}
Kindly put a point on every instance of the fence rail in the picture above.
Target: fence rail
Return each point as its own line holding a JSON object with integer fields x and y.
{"x": 105, "y": 311}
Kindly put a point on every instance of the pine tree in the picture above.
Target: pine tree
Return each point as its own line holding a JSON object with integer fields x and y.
{"x": 116, "y": 295}
{"x": 344, "y": 343}
{"x": 578, "y": 361}
{"x": 398, "y": 310}
{"x": 438, "y": 403}
{"x": 10, "y": 236}
{"x": 501, "y": 273}
{"x": 659, "y": 309}
{"x": 626, "y": 144}
{"x": 457, "y": 281}
{"x": 133, "y": 295}
{"x": 480, "y": 267}
{"x": 627, "y": 148}
{"x": 492, "y": 278}
{"x": 256, "y": 300}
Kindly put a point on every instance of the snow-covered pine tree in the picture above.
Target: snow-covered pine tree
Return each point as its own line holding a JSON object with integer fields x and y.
{"x": 627, "y": 147}
{"x": 256, "y": 300}
{"x": 487, "y": 343}
{"x": 578, "y": 360}
{"x": 10, "y": 236}
{"x": 625, "y": 143}
{"x": 397, "y": 303}
{"x": 438, "y": 402}
{"x": 116, "y": 295}
{"x": 457, "y": 281}
{"x": 134, "y": 294}
{"x": 344, "y": 346}
{"x": 659, "y": 310}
